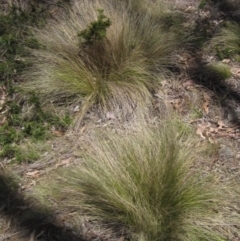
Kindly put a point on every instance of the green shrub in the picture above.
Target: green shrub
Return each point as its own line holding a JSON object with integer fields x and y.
{"x": 8, "y": 135}
{"x": 35, "y": 130}
{"x": 96, "y": 31}
{"x": 19, "y": 127}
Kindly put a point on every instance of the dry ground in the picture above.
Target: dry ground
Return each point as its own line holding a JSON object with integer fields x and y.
{"x": 215, "y": 118}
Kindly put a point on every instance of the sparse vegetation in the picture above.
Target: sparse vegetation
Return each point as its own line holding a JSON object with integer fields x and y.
{"x": 36, "y": 126}
{"x": 20, "y": 154}
{"x": 15, "y": 39}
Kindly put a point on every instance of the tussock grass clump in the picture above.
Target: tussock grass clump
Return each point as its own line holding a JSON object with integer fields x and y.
{"x": 227, "y": 41}
{"x": 114, "y": 71}
{"x": 147, "y": 182}
{"x": 216, "y": 71}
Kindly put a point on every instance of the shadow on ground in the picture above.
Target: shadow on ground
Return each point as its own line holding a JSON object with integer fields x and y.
{"x": 223, "y": 91}
{"x": 28, "y": 217}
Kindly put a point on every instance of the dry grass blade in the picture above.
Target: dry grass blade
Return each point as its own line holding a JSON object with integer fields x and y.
{"x": 147, "y": 183}
{"x": 116, "y": 71}
{"x": 227, "y": 41}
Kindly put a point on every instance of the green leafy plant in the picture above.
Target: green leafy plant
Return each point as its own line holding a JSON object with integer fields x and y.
{"x": 8, "y": 135}
{"x": 96, "y": 31}
{"x": 202, "y": 4}
{"x": 19, "y": 127}
{"x": 35, "y": 130}
{"x": 14, "y": 37}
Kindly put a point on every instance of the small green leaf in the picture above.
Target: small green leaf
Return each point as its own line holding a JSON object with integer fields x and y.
{"x": 202, "y": 4}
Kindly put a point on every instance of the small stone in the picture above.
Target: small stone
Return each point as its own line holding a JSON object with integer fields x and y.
{"x": 225, "y": 152}
{"x": 226, "y": 61}
{"x": 238, "y": 156}
{"x": 231, "y": 117}
{"x": 110, "y": 116}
